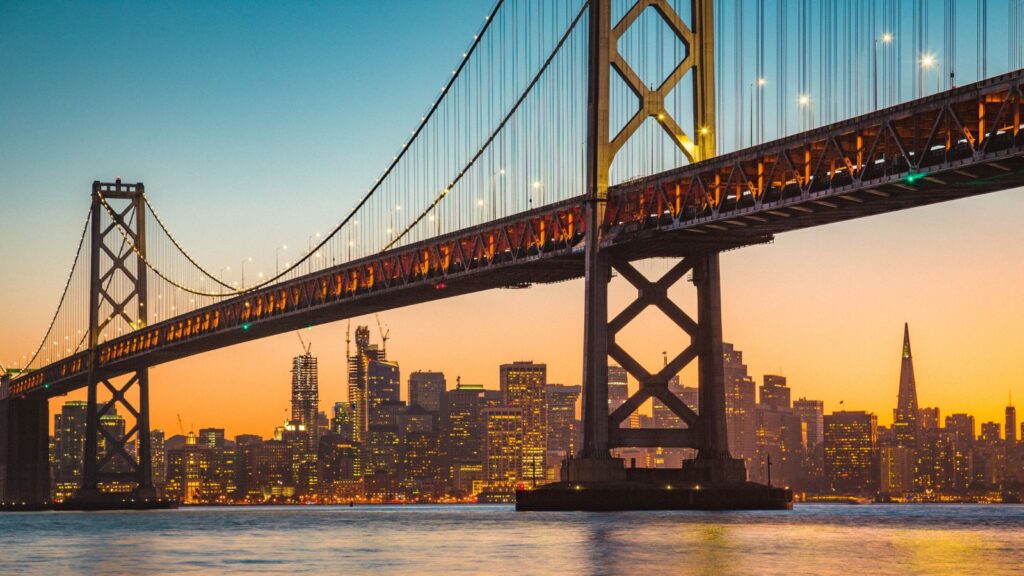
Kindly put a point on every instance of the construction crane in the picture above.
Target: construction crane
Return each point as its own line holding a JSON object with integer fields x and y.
{"x": 305, "y": 347}
{"x": 181, "y": 427}
{"x": 383, "y": 336}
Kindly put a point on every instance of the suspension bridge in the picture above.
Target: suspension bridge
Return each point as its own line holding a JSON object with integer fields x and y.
{"x": 571, "y": 139}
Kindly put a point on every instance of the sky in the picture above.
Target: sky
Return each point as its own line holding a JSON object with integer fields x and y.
{"x": 258, "y": 124}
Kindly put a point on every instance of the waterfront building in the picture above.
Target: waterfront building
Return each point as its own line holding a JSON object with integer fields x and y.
{"x": 812, "y": 414}
{"x": 561, "y": 421}
{"x": 523, "y": 386}
{"x": 462, "y": 430}
{"x": 896, "y": 470}
{"x": 339, "y": 468}
{"x": 158, "y": 457}
{"x": 936, "y": 461}
{"x": 503, "y": 462}
{"x": 740, "y": 407}
{"x": 851, "y": 445}
{"x": 68, "y": 448}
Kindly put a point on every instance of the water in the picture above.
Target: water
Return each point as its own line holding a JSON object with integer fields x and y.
{"x": 811, "y": 539}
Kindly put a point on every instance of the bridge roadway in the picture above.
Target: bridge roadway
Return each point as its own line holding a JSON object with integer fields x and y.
{"x": 959, "y": 143}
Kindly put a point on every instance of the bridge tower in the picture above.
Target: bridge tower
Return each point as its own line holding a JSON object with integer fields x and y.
{"x": 706, "y": 427}
{"x": 117, "y": 296}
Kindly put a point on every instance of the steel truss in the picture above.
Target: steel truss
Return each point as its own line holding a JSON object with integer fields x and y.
{"x": 116, "y": 264}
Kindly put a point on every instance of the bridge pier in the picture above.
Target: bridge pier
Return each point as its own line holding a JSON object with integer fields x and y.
{"x": 714, "y": 479}
{"x": 24, "y": 453}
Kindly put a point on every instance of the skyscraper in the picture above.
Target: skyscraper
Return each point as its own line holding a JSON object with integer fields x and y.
{"x": 523, "y": 386}
{"x": 905, "y": 418}
{"x": 425, "y": 390}
{"x": 740, "y": 406}
{"x": 618, "y": 387}
{"x": 561, "y": 421}
{"x": 305, "y": 396}
{"x": 69, "y": 447}
{"x": 383, "y": 393}
{"x": 357, "y": 367}
{"x": 504, "y": 446}
{"x": 774, "y": 391}
{"x": 1011, "y": 425}
{"x": 812, "y": 413}
{"x": 851, "y": 444}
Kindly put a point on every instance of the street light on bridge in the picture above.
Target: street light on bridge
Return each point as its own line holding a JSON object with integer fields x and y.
{"x": 928, "y": 62}
{"x": 885, "y": 39}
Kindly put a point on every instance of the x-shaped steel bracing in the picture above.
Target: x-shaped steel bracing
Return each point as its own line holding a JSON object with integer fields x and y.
{"x": 653, "y": 385}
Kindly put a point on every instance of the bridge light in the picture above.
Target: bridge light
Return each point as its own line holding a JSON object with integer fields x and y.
{"x": 804, "y": 100}
{"x": 246, "y": 326}
{"x": 761, "y": 81}
{"x": 887, "y": 38}
{"x": 913, "y": 177}
{"x": 479, "y": 202}
{"x": 704, "y": 130}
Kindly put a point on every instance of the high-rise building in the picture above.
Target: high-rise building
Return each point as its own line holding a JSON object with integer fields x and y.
{"x": 383, "y": 393}
{"x": 188, "y": 474}
{"x": 618, "y": 387}
{"x": 247, "y": 448}
{"x": 69, "y": 448}
{"x": 1011, "y": 425}
{"x": 464, "y": 434}
{"x": 425, "y": 390}
{"x": 936, "y": 461}
{"x": 774, "y": 391}
{"x": 357, "y": 379}
{"x": 212, "y": 438}
{"x": 561, "y": 422}
{"x": 905, "y": 417}
{"x": 523, "y": 386}
{"x": 962, "y": 428}
{"x": 306, "y": 396}
{"x": 158, "y": 457}
{"x": 896, "y": 470}
{"x": 851, "y": 445}
{"x": 343, "y": 422}
{"x": 812, "y": 414}
{"x": 423, "y": 469}
{"x": 740, "y": 406}
{"x": 504, "y": 446}
{"x": 339, "y": 468}
{"x": 929, "y": 419}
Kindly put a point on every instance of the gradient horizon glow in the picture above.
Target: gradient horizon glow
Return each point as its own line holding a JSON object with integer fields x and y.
{"x": 255, "y": 125}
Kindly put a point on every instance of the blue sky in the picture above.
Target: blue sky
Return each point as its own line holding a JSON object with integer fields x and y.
{"x": 255, "y": 124}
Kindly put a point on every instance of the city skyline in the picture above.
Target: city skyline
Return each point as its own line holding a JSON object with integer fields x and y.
{"x": 463, "y": 441}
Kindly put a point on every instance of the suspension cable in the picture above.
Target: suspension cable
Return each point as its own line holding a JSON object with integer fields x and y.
{"x": 64, "y": 294}
{"x": 500, "y": 126}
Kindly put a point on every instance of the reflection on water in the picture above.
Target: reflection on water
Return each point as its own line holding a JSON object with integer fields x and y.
{"x": 811, "y": 539}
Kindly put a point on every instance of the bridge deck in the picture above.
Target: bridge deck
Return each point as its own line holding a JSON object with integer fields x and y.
{"x": 959, "y": 143}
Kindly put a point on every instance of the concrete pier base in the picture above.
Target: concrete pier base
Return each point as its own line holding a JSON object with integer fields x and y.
{"x": 604, "y": 484}
{"x": 612, "y": 496}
